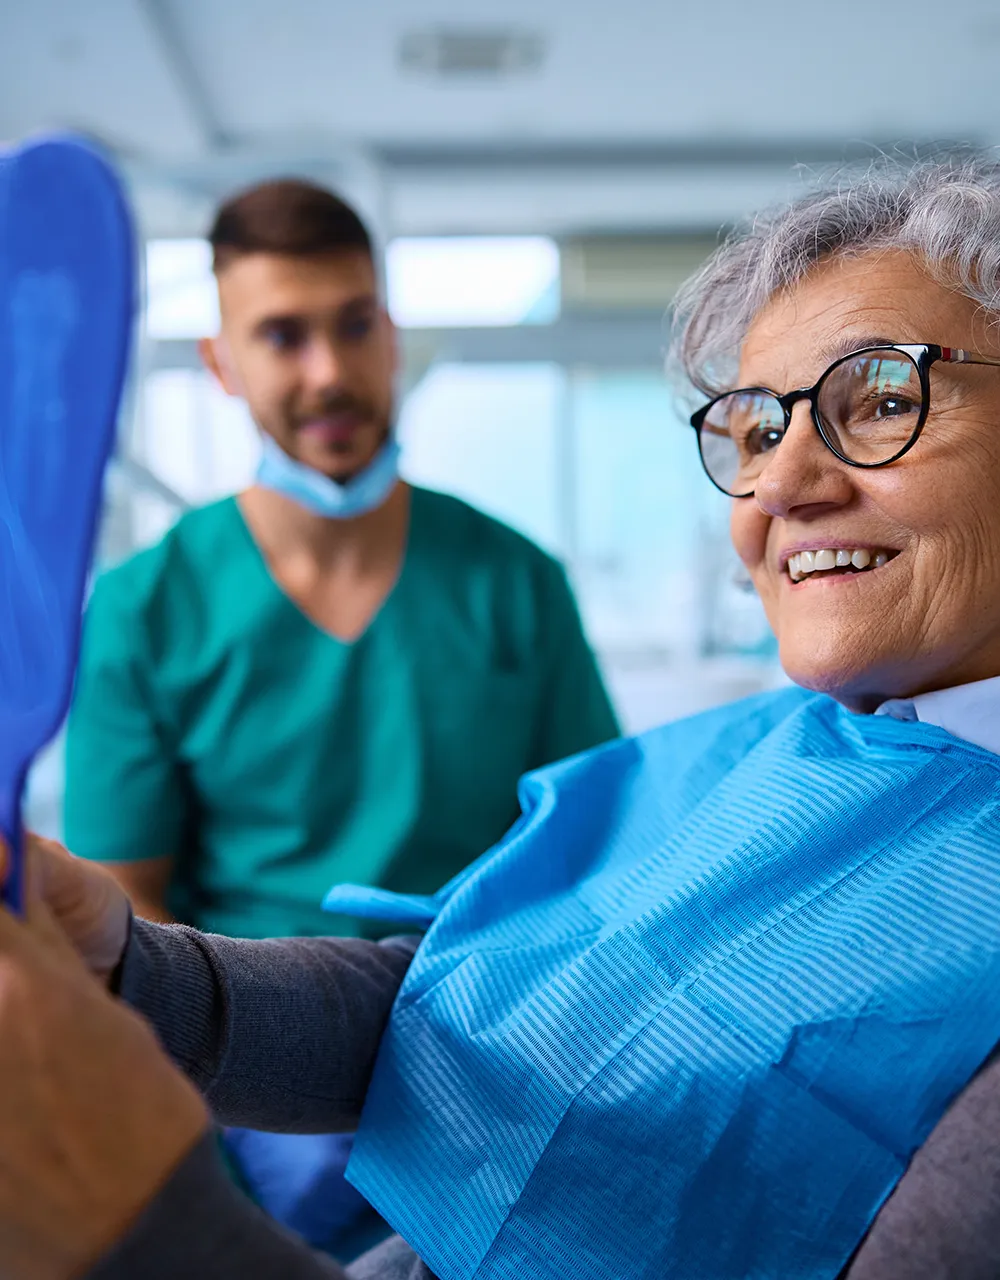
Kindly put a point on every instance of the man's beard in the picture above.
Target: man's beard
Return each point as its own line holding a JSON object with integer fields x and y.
{"x": 337, "y": 450}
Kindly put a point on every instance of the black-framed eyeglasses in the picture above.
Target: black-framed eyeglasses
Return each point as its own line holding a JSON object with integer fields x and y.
{"x": 869, "y": 408}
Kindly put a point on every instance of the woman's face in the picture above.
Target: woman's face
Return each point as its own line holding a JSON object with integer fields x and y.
{"x": 930, "y": 616}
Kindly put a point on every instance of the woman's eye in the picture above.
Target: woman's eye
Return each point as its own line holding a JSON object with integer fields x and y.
{"x": 894, "y": 407}
{"x": 763, "y": 439}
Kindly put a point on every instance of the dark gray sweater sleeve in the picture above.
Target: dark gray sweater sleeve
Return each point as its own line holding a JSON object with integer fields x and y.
{"x": 202, "y": 1228}
{"x": 280, "y": 1034}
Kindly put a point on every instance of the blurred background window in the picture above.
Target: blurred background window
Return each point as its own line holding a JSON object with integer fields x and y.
{"x": 181, "y": 299}
{"x": 472, "y": 280}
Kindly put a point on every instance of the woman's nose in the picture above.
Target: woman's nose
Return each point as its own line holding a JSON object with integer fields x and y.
{"x": 802, "y": 472}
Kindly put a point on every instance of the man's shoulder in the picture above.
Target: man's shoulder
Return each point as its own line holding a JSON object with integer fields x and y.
{"x": 475, "y": 535}
{"x": 186, "y": 558}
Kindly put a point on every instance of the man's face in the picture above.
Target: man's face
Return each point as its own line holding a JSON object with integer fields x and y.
{"x": 308, "y": 345}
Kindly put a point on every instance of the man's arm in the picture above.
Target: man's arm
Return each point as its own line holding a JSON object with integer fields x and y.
{"x": 575, "y": 712}
{"x": 279, "y": 1034}
{"x": 128, "y": 803}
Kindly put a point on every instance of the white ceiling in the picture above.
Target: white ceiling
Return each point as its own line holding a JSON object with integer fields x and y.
{"x": 641, "y": 114}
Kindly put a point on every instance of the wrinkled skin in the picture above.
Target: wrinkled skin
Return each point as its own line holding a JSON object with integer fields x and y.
{"x": 930, "y": 618}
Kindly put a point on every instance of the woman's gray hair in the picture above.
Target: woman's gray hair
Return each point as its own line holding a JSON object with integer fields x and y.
{"x": 945, "y": 209}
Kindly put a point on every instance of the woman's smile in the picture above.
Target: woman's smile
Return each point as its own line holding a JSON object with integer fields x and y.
{"x": 834, "y": 561}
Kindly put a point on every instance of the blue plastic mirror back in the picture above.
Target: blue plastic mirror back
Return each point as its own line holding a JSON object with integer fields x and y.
{"x": 66, "y": 305}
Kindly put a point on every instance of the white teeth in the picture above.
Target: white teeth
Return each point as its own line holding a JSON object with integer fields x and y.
{"x": 804, "y": 562}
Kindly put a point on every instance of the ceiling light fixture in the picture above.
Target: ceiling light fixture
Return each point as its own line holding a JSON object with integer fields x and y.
{"x": 457, "y": 52}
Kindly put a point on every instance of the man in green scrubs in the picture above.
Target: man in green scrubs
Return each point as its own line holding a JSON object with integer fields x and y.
{"x": 334, "y": 676}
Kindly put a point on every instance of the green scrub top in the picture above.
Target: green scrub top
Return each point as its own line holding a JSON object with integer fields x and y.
{"x": 214, "y": 723}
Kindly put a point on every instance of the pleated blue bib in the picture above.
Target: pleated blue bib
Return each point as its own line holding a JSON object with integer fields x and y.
{"x": 694, "y": 1015}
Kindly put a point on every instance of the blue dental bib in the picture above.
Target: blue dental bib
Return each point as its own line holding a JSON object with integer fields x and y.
{"x": 694, "y": 1015}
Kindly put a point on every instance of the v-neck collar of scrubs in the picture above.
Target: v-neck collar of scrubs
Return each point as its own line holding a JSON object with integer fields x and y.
{"x": 386, "y": 605}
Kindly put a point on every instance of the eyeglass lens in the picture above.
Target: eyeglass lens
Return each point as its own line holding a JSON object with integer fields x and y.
{"x": 869, "y": 405}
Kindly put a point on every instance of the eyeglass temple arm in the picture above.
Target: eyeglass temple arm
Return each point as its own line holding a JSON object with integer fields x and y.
{"x": 955, "y": 355}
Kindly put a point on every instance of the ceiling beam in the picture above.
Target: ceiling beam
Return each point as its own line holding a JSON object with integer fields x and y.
{"x": 712, "y": 153}
{"x": 168, "y": 40}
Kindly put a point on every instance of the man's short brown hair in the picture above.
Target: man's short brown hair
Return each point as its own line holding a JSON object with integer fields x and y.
{"x": 287, "y": 216}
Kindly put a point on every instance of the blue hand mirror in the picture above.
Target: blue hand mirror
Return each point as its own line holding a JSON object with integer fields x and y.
{"x": 66, "y": 306}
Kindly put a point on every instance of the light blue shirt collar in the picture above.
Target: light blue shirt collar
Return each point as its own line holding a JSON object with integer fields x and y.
{"x": 969, "y": 711}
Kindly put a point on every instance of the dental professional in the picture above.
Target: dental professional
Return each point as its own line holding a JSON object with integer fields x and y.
{"x": 334, "y": 675}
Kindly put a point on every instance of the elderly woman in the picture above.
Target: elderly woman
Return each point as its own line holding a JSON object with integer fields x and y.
{"x": 695, "y": 1016}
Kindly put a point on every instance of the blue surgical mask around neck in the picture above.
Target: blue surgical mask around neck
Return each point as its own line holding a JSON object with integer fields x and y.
{"x": 316, "y": 492}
